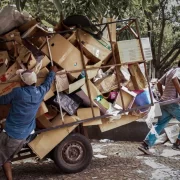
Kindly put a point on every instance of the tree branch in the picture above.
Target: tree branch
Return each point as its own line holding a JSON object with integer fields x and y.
{"x": 168, "y": 63}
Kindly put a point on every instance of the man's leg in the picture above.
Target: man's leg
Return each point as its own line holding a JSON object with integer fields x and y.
{"x": 7, "y": 170}
{"x": 151, "y": 137}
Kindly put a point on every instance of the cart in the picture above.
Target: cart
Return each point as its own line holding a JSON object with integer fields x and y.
{"x": 74, "y": 153}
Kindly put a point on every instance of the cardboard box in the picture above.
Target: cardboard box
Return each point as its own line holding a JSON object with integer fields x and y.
{"x": 94, "y": 50}
{"x": 46, "y": 141}
{"x": 85, "y": 113}
{"x": 130, "y": 51}
{"x": 45, "y": 61}
{"x": 96, "y": 97}
{"x": 42, "y": 110}
{"x": 125, "y": 119}
{"x": 107, "y": 84}
{"x": 138, "y": 79}
{"x": 4, "y": 61}
{"x": 128, "y": 99}
{"x": 43, "y": 122}
{"x": 36, "y": 30}
{"x": 112, "y": 28}
{"x": 12, "y": 35}
{"x": 68, "y": 56}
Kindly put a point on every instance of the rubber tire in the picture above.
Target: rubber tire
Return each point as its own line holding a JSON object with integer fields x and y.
{"x": 69, "y": 167}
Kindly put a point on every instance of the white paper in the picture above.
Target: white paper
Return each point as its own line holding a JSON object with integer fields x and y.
{"x": 172, "y": 132}
{"x": 146, "y": 49}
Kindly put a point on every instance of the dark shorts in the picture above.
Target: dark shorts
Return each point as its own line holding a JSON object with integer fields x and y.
{"x": 9, "y": 147}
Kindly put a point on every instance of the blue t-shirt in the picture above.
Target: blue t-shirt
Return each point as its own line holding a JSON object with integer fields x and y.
{"x": 25, "y": 102}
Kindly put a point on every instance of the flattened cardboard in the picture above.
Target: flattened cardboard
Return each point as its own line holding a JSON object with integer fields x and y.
{"x": 138, "y": 79}
{"x": 42, "y": 110}
{"x": 76, "y": 85}
{"x": 130, "y": 51}
{"x": 46, "y": 141}
{"x": 128, "y": 99}
{"x": 68, "y": 56}
{"x": 93, "y": 72}
{"x": 85, "y": 113}
{"x": 107, "y": 125}
{"x": 62, "y": 81}
{"x": 94, "y": 50}
{"x": 32, "y": 62}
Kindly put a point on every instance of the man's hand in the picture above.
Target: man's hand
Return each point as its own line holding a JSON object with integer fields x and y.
{"x": 54, "y": 69}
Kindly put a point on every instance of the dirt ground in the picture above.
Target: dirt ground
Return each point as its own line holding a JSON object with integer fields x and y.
{"x": 111, "y": 161}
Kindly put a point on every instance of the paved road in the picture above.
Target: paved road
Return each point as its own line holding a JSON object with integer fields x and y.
{"x": 111, "y": 161}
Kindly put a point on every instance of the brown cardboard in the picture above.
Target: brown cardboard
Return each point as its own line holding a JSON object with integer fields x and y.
{"x": 12, "y": 35}
{"x": 128, "y": 99}
{"x": 36, "y": 30}
{"x": 4, "y": 61}
{"x": 85, "y": 113}
{"x": 68, "y": 56}
{"x": 58, "y": 119}
{"x": 76, "y": 85}
{"x": 72, "y": 39}
{"x": 27, "y": 25}
{"x": 137, "y": 77}
{"x": 8, "y": 87}
{"x": 41, "y": 78}
{"x": 31, "y": 62}
{"x": 107, "y": 84}
{"x": 45, "y": 61}
{"x": 96, "y": 97}
{"x": 125, "y": 119}
{"x": 42, "y": 110}
{"x": 43, "y": 122}
{"x": 46, "y": 141}
{"x": 112, "y": 28}
{"x": 62, "y": 81}
{"x": 93, "y": 72}
{"x": 94, "y": 50}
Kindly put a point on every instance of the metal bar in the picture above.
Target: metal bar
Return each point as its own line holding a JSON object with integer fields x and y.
{"x": 163, "y": 103}
{"x": 84, "y": 66}
{"x": 117, "y": 73}
{"x": 137, "y": 28}
{"x": 52, "y": 64}
{"x": 125, "y": 27}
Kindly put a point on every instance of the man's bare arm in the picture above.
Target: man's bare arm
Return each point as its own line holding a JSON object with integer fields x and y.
{"x": 160, "y": 88}
{"x": 176, "y": 84}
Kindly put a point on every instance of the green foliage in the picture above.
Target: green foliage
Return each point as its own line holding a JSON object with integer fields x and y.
{"x": 158, "y": 19}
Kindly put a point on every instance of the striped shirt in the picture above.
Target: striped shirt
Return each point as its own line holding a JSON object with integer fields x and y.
{"x": 170, "y": 91}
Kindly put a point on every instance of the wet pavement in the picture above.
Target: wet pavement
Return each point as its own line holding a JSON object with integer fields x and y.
{"x": 111, "y": 161}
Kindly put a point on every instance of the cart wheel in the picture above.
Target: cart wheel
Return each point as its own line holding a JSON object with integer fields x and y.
{"x": 73, "y": 154}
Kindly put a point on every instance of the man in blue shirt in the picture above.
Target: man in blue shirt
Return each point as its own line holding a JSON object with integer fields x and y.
{"x": 20, "y": 123}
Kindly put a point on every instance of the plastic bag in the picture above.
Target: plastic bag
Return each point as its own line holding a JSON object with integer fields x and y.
{"x": 10, "y": 18}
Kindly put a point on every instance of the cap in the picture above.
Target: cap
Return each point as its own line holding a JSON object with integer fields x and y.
{"x": 28, "y": 76}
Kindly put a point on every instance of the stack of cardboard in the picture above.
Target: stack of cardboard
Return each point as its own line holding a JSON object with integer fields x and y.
{"x": 74, "y": 84}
